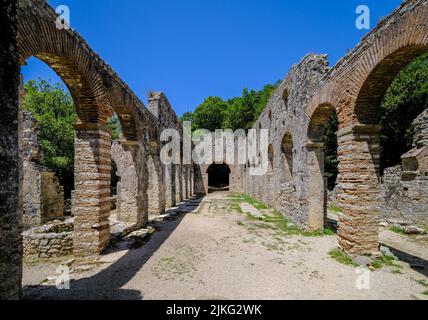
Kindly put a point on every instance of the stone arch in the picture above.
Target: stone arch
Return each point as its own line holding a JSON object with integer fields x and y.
{"x": 287, "y": 156}
{"x": 218, "y": 176}
{"x": 95, "y": 87}
{"x": 375, "y": 64}
{"x": 316, "y": 187}
{"x": 97, "y": 92}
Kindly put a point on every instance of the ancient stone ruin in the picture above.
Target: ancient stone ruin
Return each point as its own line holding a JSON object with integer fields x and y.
{"x": 404, "y": 189}
{"x": 295, "y": 117}
{"x": 43, "y": 199}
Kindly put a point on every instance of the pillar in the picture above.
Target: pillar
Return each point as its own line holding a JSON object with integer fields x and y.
{"x": 156, "y": 194}
{"x": 92, "y": 189}
{"x": 316, "y": 186}
{"x": 129, "y": 205}
{"x": 178, "y": 184}
{"x": 359, "y": 152}
{"x": 10, "y": 164}
{"x": 185, "y": 182}
{"x": 169, "y": 178}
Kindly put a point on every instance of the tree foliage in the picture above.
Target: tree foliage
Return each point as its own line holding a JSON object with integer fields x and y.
{"x": 405, "y": 99}
{"x": 236, "y": 113}
{"x": 330, "y": 153}
{"x": 53, "y": 108}
{"x": 114, "y": 124}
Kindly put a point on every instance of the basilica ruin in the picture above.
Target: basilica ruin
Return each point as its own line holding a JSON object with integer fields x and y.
{"x": 295, "y": 117}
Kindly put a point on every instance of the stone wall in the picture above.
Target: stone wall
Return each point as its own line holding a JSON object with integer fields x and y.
{"x": 169, "y": 190}
{"x": 287, "y": 185}
{"x": 10, "y": 164}
{"x": 50, "y": 240}
{"x": 43, "y": 196}
{"x": 404, "y": 189}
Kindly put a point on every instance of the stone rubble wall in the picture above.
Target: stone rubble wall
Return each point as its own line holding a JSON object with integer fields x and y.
{"x": 287, "y": 106}
{"x": 404, "y": 189}
{"x": 43, "y": 195}
{"x": 50, "y": 240}
{"x": 404, "y": 200}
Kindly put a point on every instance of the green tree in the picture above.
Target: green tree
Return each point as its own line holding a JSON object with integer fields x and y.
{"x": 114, "y": 124}
{"x": 330, "y": 153}
{"x": 53, "y": 108}
{"x": 210, "y": 114}
{"x": 243, "y": 111}
{"x": 405, "y": 99}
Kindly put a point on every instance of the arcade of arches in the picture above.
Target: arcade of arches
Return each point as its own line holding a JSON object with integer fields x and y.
{"x": 295, "y": 117}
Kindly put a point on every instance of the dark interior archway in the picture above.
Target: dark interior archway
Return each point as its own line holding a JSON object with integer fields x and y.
{"x": 218, "y": 177}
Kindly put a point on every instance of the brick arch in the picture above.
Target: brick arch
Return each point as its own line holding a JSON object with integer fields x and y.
{"x": 389, "y": 49}
{"x": 96, "y": 89}
{"x": 330, "y": 97}
{"x": 378, "y": 81}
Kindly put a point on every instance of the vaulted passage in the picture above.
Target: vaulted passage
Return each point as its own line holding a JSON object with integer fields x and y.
{"x": 218, "y": 177}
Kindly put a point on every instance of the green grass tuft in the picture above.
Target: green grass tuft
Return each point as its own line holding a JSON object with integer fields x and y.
{"x": 334, "y": 208}
{"x": 341, "y": 257}
{"x": 397, "y": 230}
{"x": 384, "y": 261}
{"x": 275, "y": 221}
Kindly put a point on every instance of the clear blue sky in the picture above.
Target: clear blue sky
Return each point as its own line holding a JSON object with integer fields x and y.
{"x": 192, "y": 49}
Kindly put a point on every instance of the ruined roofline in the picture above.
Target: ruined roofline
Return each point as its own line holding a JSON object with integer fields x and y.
{"x": 158, "y": 96}
{"x": 284, "y": 85}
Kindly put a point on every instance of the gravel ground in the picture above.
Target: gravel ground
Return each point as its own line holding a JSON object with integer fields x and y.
{"x": 218, "y": 253}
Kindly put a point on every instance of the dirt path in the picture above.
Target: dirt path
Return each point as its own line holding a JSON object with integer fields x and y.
{"x": 219, "y": 253}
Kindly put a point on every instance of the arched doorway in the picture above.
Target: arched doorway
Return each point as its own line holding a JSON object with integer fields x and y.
{"x": 218, "y": 177}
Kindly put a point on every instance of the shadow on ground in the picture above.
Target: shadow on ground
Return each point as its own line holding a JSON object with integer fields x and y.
{"x": 416, "y": 263}
{"x": 108, "y": 283}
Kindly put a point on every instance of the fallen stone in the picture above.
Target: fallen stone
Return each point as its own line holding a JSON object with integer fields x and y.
{"x": 387, "y": 252}
{"x": 362, "y": 261}
{"x": 413, "y": 230}
{"x": 398, "y": 222}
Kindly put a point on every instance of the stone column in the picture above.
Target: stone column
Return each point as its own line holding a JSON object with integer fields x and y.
{"x": 156, "y": 194}
{"x": 178, "y": 184}
{"x": 316, "y": 186}
{"x": 169, "y": 186}
{"x": 185, "y": 182}
{"x": 191, "y": 181}
{"x": 10, "y": 164}
{"x": 129, "y": 205}
{"x": 92, "y": 189}
{"x": 359, "y": 152}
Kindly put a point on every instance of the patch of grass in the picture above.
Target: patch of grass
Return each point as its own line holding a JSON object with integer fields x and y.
{"x": 425, "y": 292}
{"x": 423, "y": 283}
{"x": 284, "y": 225}
{"x": 341, "y": 257}
{"x": 239, "y": 223}
{"x": 244, "y": 198}
{"x": 334, "y": 208}
{"x": 236, "y": 207}
{"x": 275, "y": 221}
{"x": 384, "y": 261}
{"x": 397, "y": 230}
